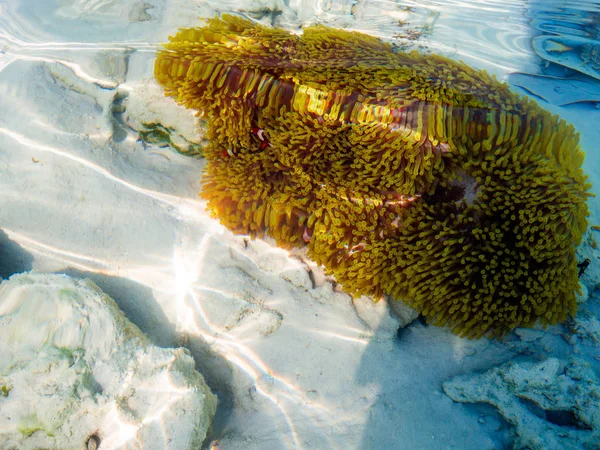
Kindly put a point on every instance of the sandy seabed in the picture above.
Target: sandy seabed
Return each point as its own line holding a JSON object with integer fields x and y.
{"x": 293, "y": 362}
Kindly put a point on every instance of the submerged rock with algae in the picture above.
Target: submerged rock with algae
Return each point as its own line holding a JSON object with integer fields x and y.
{"x": 404, "y": 174}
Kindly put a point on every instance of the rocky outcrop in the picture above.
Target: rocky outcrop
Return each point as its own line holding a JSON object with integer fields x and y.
{"x": 550, "y": 404}
{"x": 76, "y": 373}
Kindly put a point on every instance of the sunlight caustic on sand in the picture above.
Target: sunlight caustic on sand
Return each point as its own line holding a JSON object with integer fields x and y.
{"x": 124, "y": 432}
{"x": 183, "y": 285}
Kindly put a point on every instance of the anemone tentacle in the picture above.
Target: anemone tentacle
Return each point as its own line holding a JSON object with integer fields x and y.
{"x": 404, "y": 174}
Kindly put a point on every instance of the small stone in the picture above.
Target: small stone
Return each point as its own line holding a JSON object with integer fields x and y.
{"x": 583, "y": 297}
{"x": 469, "y": 351}
{"x": 528, "y": 334}
{"x": 398, "y": 309}
{"x": 570, "y": 339}
{"x": 312, "y": 394}
{"x": 93, "y": 442}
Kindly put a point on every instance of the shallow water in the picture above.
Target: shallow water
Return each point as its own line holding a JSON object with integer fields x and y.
{"x": 295, "y": 364}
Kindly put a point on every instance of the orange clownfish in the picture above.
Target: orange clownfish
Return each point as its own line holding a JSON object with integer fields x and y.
{"x": 260, "y": 134}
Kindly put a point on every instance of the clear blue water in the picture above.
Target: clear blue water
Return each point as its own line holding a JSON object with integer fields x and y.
{"x": 92, "y": 186}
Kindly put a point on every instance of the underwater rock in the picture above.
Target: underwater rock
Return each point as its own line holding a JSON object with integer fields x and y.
{"x": 558, "y": 90}
{"x": 403, "y": 313}
{"x": 551, "y": 404}
{"x": 74, "y": 369}
{"x": 587, "y": 327}
{"x": 381, "y": 317}
{"x": 403, "y": 174}
{"x": 161, "y": 124}
{"x": 575, "y": 52}
{"x": 583, "y": 294}
{"x": 112, "y": 64}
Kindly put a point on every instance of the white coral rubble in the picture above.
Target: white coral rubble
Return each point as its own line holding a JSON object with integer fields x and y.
{"x": 551, "y": 404}
{"x": 73, "y": 369}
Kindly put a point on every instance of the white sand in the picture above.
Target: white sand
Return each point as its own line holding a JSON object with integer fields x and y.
{"x": 294, "y": 364}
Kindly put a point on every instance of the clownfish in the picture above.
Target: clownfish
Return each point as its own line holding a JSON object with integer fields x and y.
{"x": 260, "y": 134}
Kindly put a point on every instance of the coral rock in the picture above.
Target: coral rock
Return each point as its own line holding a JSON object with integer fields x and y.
{"x": 551, "y": 404}
{"x": 75, "y": 373}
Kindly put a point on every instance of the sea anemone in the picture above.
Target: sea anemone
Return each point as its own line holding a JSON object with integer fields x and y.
{"x": 403, "y": 174}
